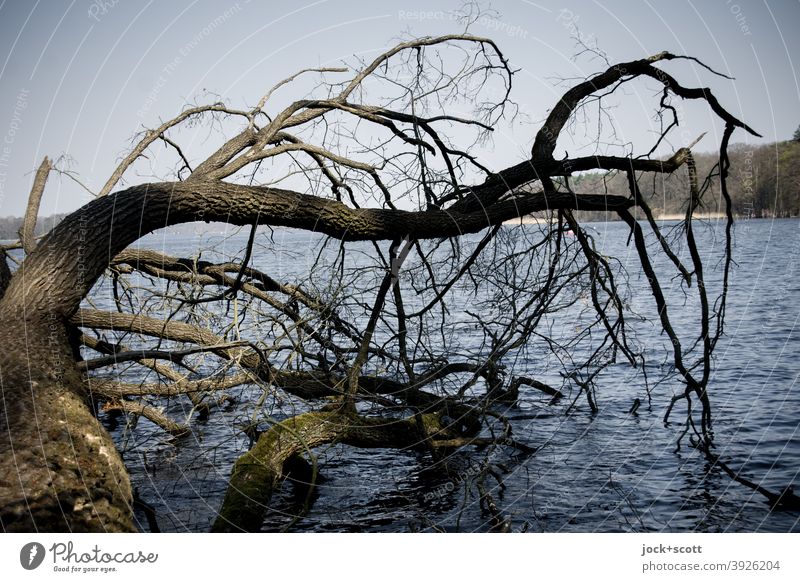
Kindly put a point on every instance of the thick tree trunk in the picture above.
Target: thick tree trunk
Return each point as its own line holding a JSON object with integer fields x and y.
{"x": 60, "y": 469}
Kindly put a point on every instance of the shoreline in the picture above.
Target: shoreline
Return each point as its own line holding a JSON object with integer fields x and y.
{"x": 661, "y": 218}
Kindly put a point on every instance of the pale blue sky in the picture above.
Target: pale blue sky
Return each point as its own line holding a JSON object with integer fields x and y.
{"x": 80, "y": 77}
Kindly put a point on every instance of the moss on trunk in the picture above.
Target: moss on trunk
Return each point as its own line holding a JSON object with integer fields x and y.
{"x": 259, "y": 471}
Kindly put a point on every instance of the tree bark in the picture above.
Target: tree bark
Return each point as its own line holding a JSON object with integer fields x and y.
{"x": 258, "y": 472}
{"x": 61, "y": 470}
{"x": 27, "y": 231}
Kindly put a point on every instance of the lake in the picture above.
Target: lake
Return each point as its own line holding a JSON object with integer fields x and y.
{"x": 609, "y": 471}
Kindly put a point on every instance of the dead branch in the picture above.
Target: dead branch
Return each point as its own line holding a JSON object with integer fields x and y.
{"x": 27, "y": 230}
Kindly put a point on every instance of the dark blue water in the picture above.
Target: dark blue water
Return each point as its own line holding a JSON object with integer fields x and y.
{"x": 610, "y": 471}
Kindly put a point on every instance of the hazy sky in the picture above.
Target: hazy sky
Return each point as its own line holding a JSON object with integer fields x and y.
{"x": 81, "y": 77}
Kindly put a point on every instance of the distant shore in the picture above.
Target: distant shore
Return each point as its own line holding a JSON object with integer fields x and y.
{"x": 663, "y": 217}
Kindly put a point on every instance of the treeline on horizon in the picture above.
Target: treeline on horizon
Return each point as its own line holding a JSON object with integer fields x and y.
{"x": 763, "y": 182}
{"x": 9, "y": 225}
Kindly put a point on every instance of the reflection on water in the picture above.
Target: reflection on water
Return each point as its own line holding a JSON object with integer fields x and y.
{"x": 609, "y": 472}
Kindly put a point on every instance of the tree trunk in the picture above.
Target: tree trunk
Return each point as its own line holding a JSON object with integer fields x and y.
{"x": 60, "y": 469}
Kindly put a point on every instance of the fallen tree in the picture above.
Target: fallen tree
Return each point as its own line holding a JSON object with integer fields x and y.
{"x": 372, "y": 362}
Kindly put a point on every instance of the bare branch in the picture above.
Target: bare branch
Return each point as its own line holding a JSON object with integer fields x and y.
{"x": 151, "y": 413}
{"x": 176, "y": 356}
{"x": 154, "y": 134}
{"x": 26, "y": 231}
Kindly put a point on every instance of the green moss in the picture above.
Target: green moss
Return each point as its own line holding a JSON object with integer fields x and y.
{"x": 256, "y": 474}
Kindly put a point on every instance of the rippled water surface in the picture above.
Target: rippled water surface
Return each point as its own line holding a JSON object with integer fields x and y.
{"x": 611, "y": 471}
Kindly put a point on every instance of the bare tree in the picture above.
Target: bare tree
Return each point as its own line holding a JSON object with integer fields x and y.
{"x": 363, "y": 343}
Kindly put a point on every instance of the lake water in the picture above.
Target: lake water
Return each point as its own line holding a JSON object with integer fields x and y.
{"x": 610, "y": 471}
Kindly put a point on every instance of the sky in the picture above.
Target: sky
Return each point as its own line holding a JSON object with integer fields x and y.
{"x": 79, "y": 78}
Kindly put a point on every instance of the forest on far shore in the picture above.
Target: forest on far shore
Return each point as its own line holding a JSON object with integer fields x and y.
{"x": 764, "y": 182}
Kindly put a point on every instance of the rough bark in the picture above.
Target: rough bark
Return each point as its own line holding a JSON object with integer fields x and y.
{"x": 5, "y": 273}
{"x": 66, "y": 472}
{"x": 258, "y": 472}
{"x": 59, "y": 469}
{"x": 73, "y": 256}
{"x": 27, "y": 231}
